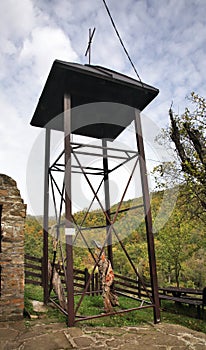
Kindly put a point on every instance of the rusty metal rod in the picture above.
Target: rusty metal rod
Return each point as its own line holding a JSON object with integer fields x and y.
{"x": 46, "y": 216}
{"x": 123, "y": 163}
{"x": 85, "y": 215}
{"x": 148, "y": 217}
{"x": 107, "y": 200}
{"x": 85, "y": 241}
{"x": 68, "y": 211}
{"x": 114, "y": 219}
{"x": 108, "y": 233}
{"x": 92, "y": 273}
{"x": 58, "y": 306}
{"x": 115, "y": 313}
{"x": 101, "y": 147}
{"x": 99, "y": 155}
{"x": 128, "y": 209}
{"x": 61, "y": 154}
{"x": 132, "y": 264}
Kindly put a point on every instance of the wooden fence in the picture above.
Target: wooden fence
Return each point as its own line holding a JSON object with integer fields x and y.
{"x": 123, "y": 285}
{"x": 33, "y": 275}
{"x": 33, "y": 270}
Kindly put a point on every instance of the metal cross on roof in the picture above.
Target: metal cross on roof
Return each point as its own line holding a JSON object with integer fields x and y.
{"x": 88, "y": 50}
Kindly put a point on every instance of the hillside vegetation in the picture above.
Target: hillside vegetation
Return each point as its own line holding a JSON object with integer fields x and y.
{"x": 180, "y": 240}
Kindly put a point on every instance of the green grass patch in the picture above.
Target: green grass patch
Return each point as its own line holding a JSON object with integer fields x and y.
{"x": 33, "y": 292}
{"x": 93, "y": 305}
{"x": 183, "y": 315}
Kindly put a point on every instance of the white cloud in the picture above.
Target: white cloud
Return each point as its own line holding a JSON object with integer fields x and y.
{"x": 166, "y": 41}
{"x": 28, "y": 48}
{"x": 44, "y": 46}
{"x": 17, "y": 18}
{"x": 16, "y": 139}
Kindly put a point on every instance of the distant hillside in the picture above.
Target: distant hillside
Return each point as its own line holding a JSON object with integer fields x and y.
{"x": 179, "y": 239}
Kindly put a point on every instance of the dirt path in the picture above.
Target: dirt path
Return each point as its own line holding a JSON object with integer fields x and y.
{"x": 56, "y": 336}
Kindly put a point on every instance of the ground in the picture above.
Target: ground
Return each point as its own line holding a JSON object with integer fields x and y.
{"x": 24, "y": 335}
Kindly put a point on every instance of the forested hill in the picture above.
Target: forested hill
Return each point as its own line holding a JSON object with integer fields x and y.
{"x": 180, "y": 239}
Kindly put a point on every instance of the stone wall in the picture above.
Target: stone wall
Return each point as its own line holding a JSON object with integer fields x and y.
{"x": 11, "y": 250}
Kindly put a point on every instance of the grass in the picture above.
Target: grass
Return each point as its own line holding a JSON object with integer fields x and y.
{"x": 32, "y": 293}
{"x": 36, "y": 293}
{"x": 171, "y": 313}
{"x": 183, "y": 315}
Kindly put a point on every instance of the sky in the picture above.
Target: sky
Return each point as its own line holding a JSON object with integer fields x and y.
{"x": 166, "y": 40}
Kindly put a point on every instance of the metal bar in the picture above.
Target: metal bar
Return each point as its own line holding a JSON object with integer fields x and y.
{"x": 100, "y": 147}
{"x": 89, "y": 173}
{"x": 61, "y": 154}
{"x": 111, "y": 223}
{"x": 90, "y": 185}
{"x": 114, "y": 219}
{"x": 90, "y": 277}
{"x": 107, "y": 201}
{"x": 77, "y": 172}
{"x": 130, "y": 208}
{"x": 124, "y": 193}
{"x": 131, "y": 263}
{"x": 68, "y": 211}
{"x": 57, "y": 166}
{"x": 92, "y": 227}
{"x": 53, "y": 196}
{"x": 85, "y": 215}
{"x": 87, "y": 167}
{"x": 59, "y": 222}
{"x": 85, "y": 241}
{"x": 114, "y": 313}
{"x": 148, "y": 217}
{"x": 99, "y": 155}
{"x": 58, "y": 306}
{"x": 101, "y": 170}
{"x": 126, "y": 161}
{"x": 61, "y": 165}
{"x": 57, "y": 187}
{"x": 46, "y": 216}
{"x": 56, "y": 169}
{"x": 95, "y": 194}
{"x": 55, "y": 238}
{"x": 61, "y": 204}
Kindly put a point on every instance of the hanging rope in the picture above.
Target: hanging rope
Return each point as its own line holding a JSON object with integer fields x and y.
{"x": 120, "y": 39}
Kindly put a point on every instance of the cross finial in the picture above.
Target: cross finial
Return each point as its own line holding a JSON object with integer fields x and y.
{"x": 88, "y": 51}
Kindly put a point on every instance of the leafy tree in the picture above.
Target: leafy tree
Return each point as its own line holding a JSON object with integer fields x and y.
{"x": 181, "y": 240}
{"x": 187, "y": 135}
{"x": 193, "y": 274}
{"x": 174, "y": 247}
{"x": 33, "y": 237}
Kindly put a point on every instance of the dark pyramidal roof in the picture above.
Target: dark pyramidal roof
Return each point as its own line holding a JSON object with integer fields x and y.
{"x": 104, "y": 93}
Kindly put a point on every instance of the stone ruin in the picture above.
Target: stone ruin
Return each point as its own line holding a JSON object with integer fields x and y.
{"x": 12, "y": 217}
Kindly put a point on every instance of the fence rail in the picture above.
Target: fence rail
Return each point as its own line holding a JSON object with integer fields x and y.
{"x": 123, "y": 285}
{"x": 33, "y": 275}
{"x": 33, "y": 270}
